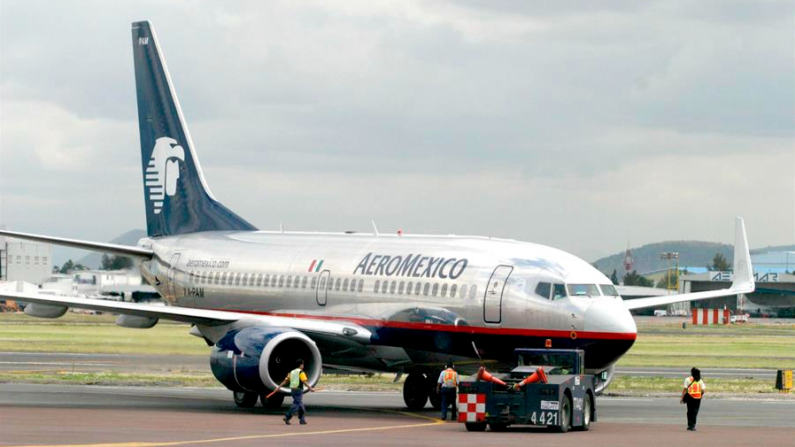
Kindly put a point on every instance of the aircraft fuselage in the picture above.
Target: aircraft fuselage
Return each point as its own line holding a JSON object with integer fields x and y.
{"x": 425, "y": 298}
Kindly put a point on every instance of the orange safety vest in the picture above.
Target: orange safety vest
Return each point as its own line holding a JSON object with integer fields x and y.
{"x": 450, "y": 378}
{"x": 694, "y": 389}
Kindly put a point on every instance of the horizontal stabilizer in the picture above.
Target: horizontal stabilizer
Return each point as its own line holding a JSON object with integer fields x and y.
{"x": 743, "y": 277}
{"x": 115, "y": 249}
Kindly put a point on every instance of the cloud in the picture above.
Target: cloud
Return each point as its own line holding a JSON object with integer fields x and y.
{"x": 574, "y": 123}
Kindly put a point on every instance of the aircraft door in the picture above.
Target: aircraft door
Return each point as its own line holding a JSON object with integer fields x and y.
{"x": 492, "y": 300}
{"x": 321, "y": 293}
{"x": 171, "y": 287}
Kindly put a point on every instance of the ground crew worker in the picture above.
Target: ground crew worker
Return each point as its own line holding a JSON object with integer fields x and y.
{"x": 447, "y": 385}
{"x": 691, "y": 395}
{"x": 297, "y": 379}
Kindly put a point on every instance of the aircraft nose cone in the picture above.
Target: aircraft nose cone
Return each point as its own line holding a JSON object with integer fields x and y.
{"x": 609, "y": 315}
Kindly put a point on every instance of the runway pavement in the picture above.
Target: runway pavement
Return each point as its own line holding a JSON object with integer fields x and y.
{"x": 147, "y": 417}
{"x": 11, "y": 361}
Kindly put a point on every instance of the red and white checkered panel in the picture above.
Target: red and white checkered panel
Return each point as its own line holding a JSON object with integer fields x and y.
{"x": 471, "y": 408}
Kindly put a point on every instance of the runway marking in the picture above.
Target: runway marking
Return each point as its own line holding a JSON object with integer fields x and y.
{"x": 433, "y": 422}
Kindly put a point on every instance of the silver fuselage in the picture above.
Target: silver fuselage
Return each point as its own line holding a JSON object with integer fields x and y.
{"x": 426, "y": 298}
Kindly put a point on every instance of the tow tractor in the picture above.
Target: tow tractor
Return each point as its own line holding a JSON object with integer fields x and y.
{"x": 548, "y": 387}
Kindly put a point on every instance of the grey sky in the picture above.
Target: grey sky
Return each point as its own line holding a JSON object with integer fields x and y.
{"x": 566, "y": 123}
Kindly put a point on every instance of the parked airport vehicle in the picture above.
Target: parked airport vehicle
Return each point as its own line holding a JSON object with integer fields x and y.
{"x": 547, "y": 387}
{"x": 349, "y": 301}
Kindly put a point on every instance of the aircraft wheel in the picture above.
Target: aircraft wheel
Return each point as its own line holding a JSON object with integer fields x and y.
{"x": 245, "y": 400}
{"x": 274, "y": 402}
{"x": 415, "y": 391}
{"x": 433, "y": 396}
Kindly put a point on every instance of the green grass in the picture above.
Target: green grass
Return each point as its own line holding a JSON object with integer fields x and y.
{"x": 94, "y": 334}
{"x": 736, "y": 346}
{"x": 110, "y": 378}
{"x": 768, "y": 346}
{"x": 625, "y": 386}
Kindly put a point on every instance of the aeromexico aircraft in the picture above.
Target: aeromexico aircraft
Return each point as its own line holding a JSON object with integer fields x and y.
{"x": 350, "y": 301}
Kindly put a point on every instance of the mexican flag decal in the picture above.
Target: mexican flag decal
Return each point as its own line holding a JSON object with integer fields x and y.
{"x": 315, "y": 266}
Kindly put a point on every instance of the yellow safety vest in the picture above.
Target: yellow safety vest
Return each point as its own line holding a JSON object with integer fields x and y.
{"x": 450, "y": 378}
{"x": 694, "y": 389}
{"x": 295, "y": 378}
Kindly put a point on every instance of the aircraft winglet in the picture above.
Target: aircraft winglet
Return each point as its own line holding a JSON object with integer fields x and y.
{"x": 743, "y": 277}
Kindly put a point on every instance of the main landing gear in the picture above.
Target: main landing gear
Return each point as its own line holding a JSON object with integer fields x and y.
{"x": 418, "y": 388}
{"x": 249, "y": 400}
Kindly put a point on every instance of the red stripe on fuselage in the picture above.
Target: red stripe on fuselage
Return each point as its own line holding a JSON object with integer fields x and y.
{"x": 450, "y": 328}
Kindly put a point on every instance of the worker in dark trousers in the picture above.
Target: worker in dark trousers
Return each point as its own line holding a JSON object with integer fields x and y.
{"x": 692, "y": 394}
{"x": 297, "y": 380}
{"x": 447, "y": 386}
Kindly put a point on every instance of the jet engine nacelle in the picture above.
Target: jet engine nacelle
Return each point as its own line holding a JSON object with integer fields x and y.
{"x": 257, "y": 359}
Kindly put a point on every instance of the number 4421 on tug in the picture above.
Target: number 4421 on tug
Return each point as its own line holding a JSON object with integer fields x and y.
{"x": 548, "y": 387}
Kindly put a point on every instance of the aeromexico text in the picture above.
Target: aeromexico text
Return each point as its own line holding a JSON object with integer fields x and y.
{"x": 417, "y": 266}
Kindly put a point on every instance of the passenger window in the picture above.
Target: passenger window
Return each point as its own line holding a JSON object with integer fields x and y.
{"x": 401, "y": 287}
{"x": 392, "y": 287}
{"x": 558, "y": 292}
{"x": 259, "y": 280}
{"x": 281, "y": 280}
{"x": 245, "y": 279}
{"x": 314, "y": 282}
{"x": 435, "y": 289}
{"x": 337, "y": 284}
{"x": 443, "y": 293}
{"x": 426, "y": 288}
{"x": 361, "y": 285}
{"x": 296, "y": 282}
{"x": 453, "y": 290}
{"x": 409, "y": 287}
{"x": 273, "y": 281}
{"x": 384, "y": 285}
{"x": 223, "y": 278}
{"x": 238, "y": 276}
{"x": 417, "y": 288}
{"x": 266, "y": 280}
{"x": 322, "y": 283}
{"x": 289, "y": 280}
{"x": 345, "y": 285}
{"x": 303, "y": 282}
{"x": 543, "y": 289}
{"x": 473, "y": 291}
{"x": 377, "y": 286}
{"x": 218, "y": 277}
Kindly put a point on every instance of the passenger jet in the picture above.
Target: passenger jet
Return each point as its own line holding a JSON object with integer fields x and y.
{"x": 397, "y": 303}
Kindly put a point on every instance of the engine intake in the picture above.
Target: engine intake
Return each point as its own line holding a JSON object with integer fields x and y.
{"x": 257, "y": 359}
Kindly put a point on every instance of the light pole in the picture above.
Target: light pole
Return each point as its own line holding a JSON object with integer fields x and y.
{"x": 669, "y": 255}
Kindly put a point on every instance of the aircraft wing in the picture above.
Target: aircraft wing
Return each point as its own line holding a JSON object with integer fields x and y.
{"x": 337, "y": 329}
{"x": 122, "y": 250}
{"x": 743, "y": 277}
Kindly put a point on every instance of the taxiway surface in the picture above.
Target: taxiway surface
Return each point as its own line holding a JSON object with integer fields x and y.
{"x": 148, "y": 417}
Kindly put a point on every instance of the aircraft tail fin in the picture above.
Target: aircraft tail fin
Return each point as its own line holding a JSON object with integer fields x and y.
{"x": 177, "y": 197}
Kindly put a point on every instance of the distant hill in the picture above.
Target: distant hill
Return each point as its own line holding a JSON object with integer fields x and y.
{"x": 94, "y": 260}
{"x": 691, "y": 254}
{"x": 647, "y": 257}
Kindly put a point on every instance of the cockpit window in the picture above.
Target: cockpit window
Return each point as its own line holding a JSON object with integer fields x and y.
{"x": 543, "y": 289}
{"x": 583, "y": 290}
{"x": 608, "y": 290}
{"x": 558, "y": 291}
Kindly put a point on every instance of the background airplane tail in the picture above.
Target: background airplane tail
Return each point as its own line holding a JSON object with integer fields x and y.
{"x": 177, "y": 197}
